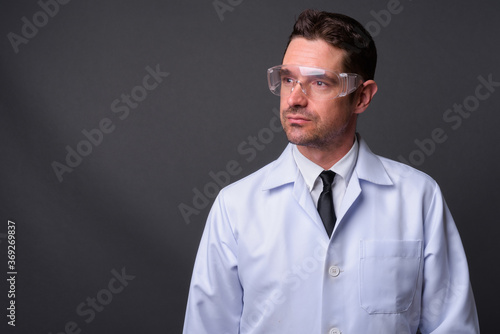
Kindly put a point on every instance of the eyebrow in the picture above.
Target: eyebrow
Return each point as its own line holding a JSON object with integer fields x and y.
{"x": 285, "y": 71}
{"x": 325, "y": 75}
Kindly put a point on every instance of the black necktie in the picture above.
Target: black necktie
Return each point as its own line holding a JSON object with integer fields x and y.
{"x": 325, "y": 202}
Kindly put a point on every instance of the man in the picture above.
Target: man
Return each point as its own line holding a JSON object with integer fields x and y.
{"x": 277, "y": 257}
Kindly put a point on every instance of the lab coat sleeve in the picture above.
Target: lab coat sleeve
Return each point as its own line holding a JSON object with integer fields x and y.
{"x": 447, "y": 302}
{"x": 215, "y": 295}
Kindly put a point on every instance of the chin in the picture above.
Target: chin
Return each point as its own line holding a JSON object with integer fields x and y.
{"x": 303, "y": 141}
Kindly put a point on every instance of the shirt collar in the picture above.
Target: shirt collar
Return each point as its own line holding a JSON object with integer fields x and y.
{"x": 368, "y": 167}
{"x": 310, "y": 171}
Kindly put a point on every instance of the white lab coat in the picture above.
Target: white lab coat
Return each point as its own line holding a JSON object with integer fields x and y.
{"x": 394, "y": 263}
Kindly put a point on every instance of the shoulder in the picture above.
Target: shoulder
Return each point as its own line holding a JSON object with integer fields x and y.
{"x": 411, "y": 184}
{"x": 403, "y": 172}
{"x": 384, "y": 171}
{"x": 275, "y": 174}
{"x": 250, "y": 183}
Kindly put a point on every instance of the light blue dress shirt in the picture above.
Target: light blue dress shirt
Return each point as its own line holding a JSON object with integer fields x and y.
{"x": 394, "y": 263}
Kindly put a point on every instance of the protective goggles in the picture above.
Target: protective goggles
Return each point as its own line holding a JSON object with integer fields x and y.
{"x": 316, "y": 83}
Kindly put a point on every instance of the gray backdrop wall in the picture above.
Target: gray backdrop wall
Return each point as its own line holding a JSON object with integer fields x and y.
{"x": 121, "y": 120}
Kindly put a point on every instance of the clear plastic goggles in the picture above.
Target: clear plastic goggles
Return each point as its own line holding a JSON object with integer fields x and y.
{"x": 316, "y": 83}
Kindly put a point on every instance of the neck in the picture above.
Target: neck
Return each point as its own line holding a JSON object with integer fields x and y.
{"x": 328, "y": 155}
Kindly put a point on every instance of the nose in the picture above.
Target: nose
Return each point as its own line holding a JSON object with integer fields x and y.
{"x": 297, "y": 96}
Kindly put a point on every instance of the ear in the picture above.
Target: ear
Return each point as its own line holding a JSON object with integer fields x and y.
{"x": 366, "y": 92}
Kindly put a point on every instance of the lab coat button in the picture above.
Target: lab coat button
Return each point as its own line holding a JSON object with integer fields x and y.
{"x": 334, "y": 271}
{"x": 334, "y": 331}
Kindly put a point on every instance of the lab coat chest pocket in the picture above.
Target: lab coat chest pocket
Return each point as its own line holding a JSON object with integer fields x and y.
{"x": 388, "y": 274}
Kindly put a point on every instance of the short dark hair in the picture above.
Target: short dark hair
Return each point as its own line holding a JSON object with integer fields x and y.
{"x": 342, "y": 32}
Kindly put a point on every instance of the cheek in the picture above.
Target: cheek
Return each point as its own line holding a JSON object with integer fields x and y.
{"x": 337, "y": 111}
{"x": 328, "y": 111}
{"x": 284, "y": 102}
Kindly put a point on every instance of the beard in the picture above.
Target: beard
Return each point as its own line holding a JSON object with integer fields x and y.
{"x": 317, "y": 133}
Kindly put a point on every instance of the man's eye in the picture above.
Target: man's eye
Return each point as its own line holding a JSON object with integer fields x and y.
{"x": 321, "y": 84}
{"x": 287, "y": 81}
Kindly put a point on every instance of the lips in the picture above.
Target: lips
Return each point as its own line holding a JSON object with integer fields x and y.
{"x": 297, "y": 119}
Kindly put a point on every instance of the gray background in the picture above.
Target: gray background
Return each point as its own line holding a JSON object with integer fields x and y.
{"x": 120, "y": 207}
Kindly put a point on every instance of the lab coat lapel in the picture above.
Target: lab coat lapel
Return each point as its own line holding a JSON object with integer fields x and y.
{"x": 352, "y": 193}
{"x": 302, "y": 195}
{"x": 284, "y": 171}
{"x": 368, "y": 168}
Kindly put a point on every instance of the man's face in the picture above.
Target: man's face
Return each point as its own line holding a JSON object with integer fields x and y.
{"x": 316, "y": 123}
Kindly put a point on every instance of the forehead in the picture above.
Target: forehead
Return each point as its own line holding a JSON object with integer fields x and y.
{"x": 315, "y": 53}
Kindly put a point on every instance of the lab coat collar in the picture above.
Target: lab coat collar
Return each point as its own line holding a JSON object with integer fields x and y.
{"x": 284, "y": 170}
{"x": 368, "y": 167}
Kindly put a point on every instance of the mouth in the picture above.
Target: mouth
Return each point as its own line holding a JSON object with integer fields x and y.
{"x": 297, "y": 119}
